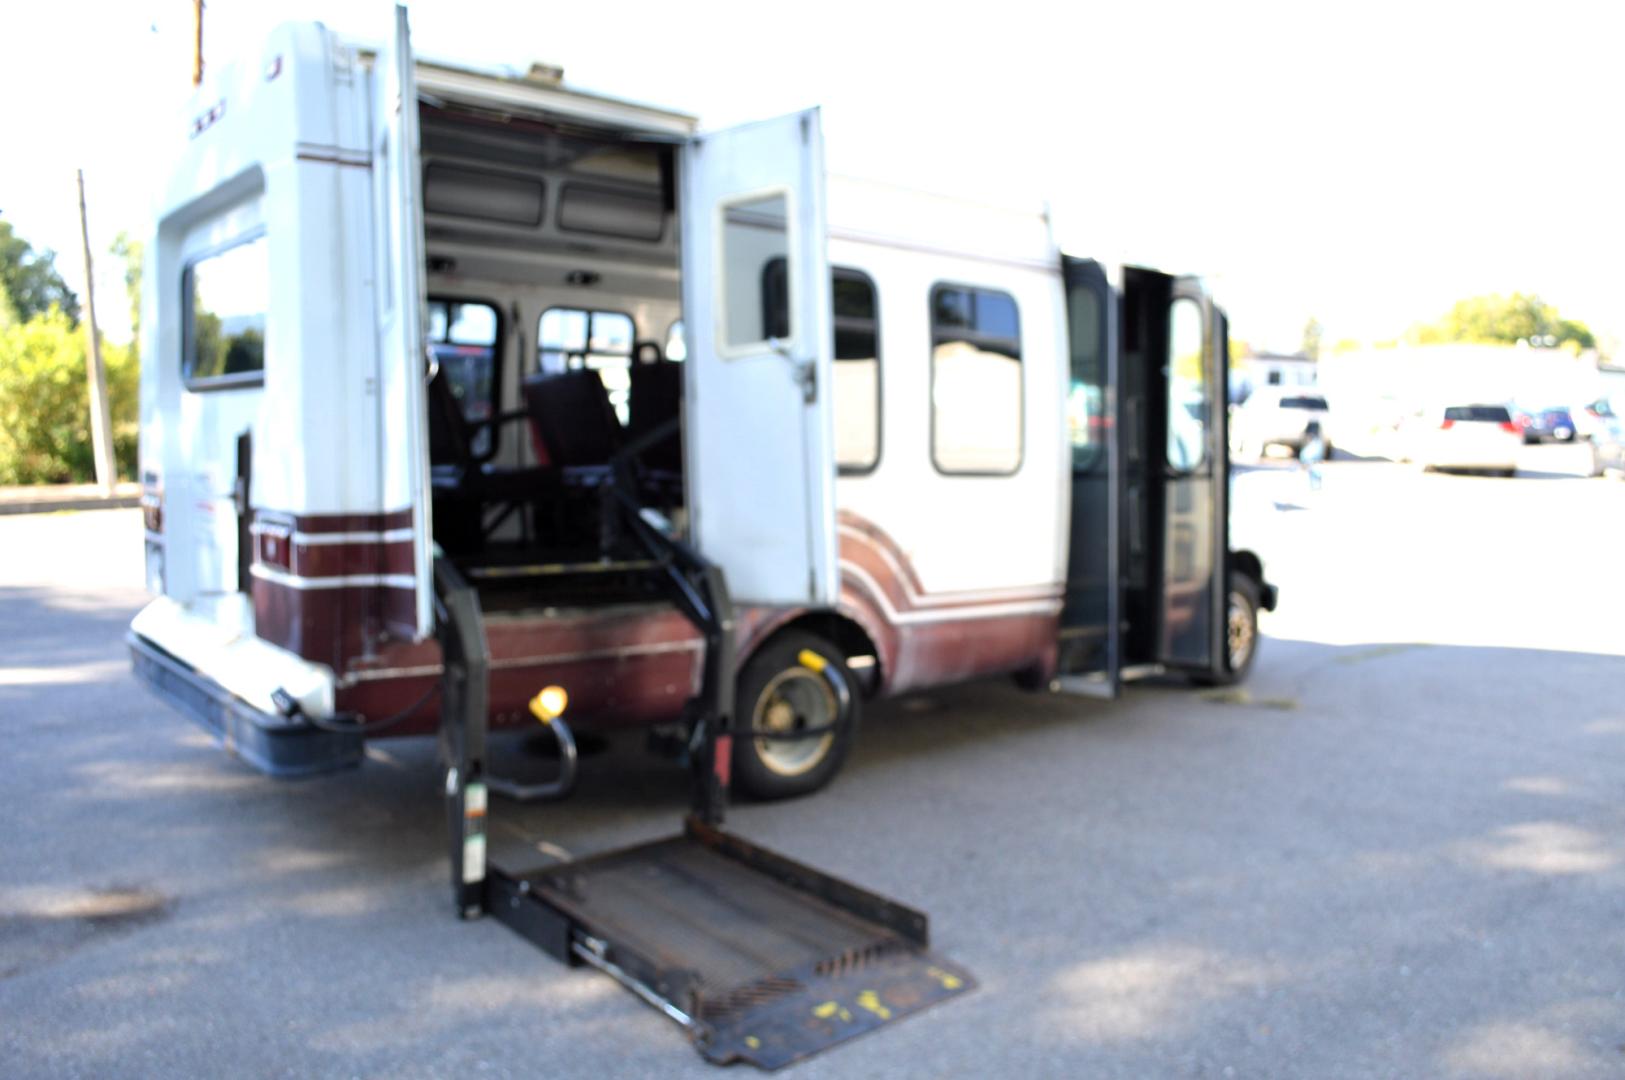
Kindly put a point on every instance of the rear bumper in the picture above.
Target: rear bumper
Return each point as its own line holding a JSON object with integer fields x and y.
{"x": 275, "y": 745}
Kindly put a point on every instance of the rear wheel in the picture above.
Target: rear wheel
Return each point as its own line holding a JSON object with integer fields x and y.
{"x": 796, "y": 710}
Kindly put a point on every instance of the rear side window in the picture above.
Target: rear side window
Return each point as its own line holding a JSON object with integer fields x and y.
{"x": 976, "y": 402}
{"x": 1304, "y": 403}
{"x": 601, "y": 341}
{"x": 1495, "y": 414}
{"x": 226, "y": 295}
{"x": 463, "y": 336}
{"x": 857, "y": 372}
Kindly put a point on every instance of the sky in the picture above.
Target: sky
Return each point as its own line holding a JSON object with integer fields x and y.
{"x": 1366, "y": 165}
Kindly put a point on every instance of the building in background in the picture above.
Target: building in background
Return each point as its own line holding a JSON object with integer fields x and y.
{"x": 1271, "y": 369}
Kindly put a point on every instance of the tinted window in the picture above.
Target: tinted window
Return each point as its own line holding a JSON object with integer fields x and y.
{"x": 463, "y": 336}
{"x": 1495, "y": 414}
{"x": 976, "y": 400}
{"x": 227, "y": 295}
{"x": 598, "y": 340}
{"x": 857, "y": 372}
{"x": 755, "y": 233}
{"x": 1085, "y": 399}
{"x": 1303, "y": 403}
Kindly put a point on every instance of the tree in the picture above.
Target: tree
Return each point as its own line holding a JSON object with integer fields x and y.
{"x": 1504, "y": 320}
{"x": 1312, "y": 333}
{"x": 45, "y": 403}
{"x": 29, "y": 279}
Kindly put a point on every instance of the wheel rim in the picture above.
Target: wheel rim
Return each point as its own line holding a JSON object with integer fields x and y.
{"x": 796, "y": 699}
{"x": 1240, "y": 632}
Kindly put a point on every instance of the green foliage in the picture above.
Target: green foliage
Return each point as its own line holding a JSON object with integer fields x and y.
{"x": 1312, "y": 333}
{"x": 1239, "y": 351}
{"x": 1504, "y": 320}
{"x": 29, "y": 279}
{"x": 45, "y": 402}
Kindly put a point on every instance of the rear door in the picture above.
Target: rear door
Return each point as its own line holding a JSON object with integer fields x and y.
{"x": 759, "y": 431}
{"x": 402, "y": 342}
{"x": 1194, "y": 474}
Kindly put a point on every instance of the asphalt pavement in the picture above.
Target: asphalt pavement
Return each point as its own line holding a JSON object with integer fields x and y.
{"x": 1398, "y": 850}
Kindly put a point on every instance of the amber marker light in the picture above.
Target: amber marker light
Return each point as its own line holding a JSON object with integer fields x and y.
{"x": 549, "y": 704}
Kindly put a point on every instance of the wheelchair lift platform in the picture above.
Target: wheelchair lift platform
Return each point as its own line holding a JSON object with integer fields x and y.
{"x": 759, "y": 958}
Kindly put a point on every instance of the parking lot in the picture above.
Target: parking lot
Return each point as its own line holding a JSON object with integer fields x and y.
{"x": 1396, "y": 851}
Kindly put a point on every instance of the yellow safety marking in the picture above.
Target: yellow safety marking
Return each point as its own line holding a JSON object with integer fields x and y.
{"x": 949, "y": 982}
{"x": 810, "y": 659}
{"x": 826, "y": 1010}
{"x": 871, "y": 1001}
{"x": 753, "y": 1042}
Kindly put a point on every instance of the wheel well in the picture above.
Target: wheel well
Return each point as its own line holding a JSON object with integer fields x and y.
{"x": 845, "y": 634}
{"x": 1247, "y": 563}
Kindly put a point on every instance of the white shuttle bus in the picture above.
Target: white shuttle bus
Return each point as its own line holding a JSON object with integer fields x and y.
{"x": 450, "y": 373}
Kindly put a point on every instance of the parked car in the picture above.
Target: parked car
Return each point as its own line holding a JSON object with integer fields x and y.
{"x": 1594, "y": 419}
{"x": 1467, "y": 437}
{"x": 1608, "y": 443}
{"x": 1558, "y": 424}
{"x": 1544, "y": 425}
{"x": 1278, "y": 416}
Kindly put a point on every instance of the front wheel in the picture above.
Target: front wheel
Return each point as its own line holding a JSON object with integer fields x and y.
{"x": 1240, "y": 633}
{"x": 795, "y": 714}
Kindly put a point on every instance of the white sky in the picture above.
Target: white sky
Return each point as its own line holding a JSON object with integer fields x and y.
{"x": 1367, "y": 164}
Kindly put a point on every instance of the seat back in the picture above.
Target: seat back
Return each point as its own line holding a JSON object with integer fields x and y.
{"x": 450, "y": 440}
{"x": 656, "y": 397}
{"x": 572, "y": 417}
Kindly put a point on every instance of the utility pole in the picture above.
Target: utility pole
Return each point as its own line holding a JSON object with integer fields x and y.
{"x": 101, "y": 432}
{"x": 197, "y": 42}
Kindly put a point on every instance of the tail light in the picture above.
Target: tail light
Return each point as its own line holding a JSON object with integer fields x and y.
{"x": 1507, "y": 426}
{"x": 1447, "y": 425}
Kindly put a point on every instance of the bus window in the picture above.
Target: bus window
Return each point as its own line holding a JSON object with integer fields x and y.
{"x": 463, "y": 336}
{"x": 600, "y": 341}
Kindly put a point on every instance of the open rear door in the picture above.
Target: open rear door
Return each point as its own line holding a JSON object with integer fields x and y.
{"x": 402, "y": 351}
{"x": 759, "y": 434}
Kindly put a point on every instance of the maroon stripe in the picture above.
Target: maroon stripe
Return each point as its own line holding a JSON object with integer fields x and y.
{"x": 339, "y": 560}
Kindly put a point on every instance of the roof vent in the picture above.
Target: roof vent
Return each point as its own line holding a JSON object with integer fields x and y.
{"x": 544, "y": 74}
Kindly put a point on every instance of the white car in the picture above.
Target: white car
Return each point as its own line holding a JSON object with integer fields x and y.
{"x": 1468, "y": 437}
{"x": 1278, "y": 416}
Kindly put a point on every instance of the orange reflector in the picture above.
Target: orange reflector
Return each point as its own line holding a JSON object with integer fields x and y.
{"x": 810, "y": 659}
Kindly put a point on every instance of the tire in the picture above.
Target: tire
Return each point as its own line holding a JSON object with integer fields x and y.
{"x": 796, "y": 681}
{"x": 1241, "y": 615}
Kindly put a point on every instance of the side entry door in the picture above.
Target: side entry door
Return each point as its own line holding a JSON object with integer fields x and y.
{"x": 1091, "y": 643}
{"x": 402, "y": 344}
{"x": 759, "y": 427}
{"x": 1193, "y": 470}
